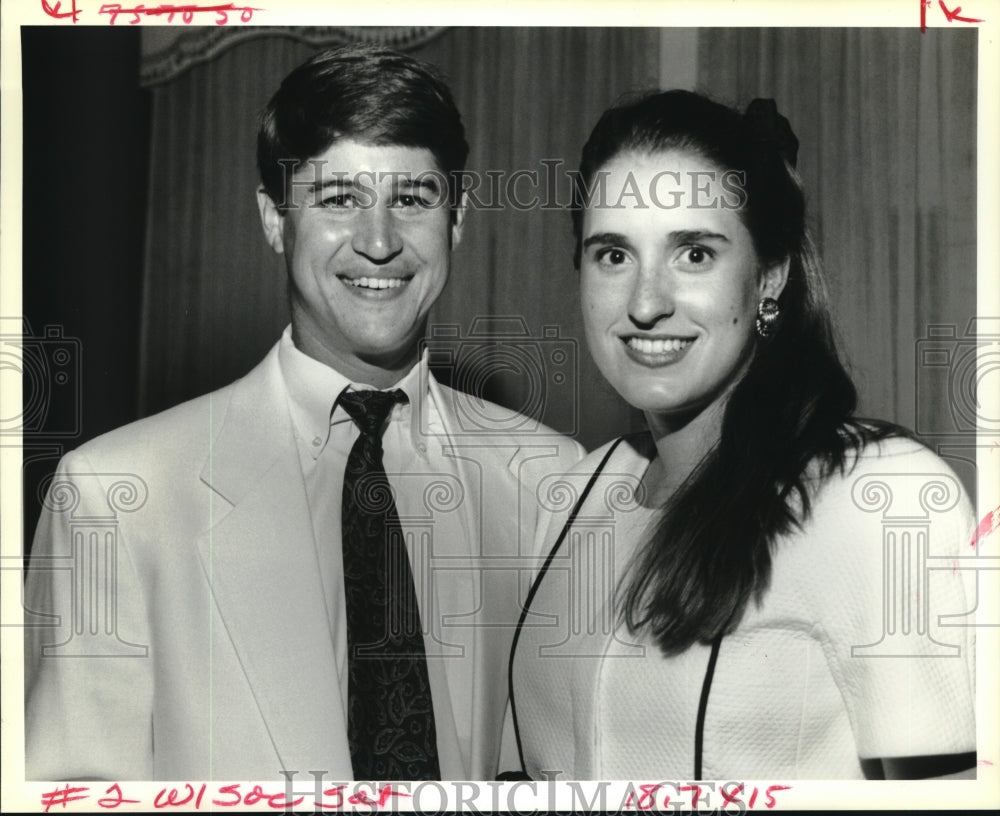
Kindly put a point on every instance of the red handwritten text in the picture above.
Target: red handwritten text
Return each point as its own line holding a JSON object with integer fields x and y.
{"x": 654, "y": 797}
{"x": 56, "y": 10}
{"x": 276, "y": 801}
{"x": 109, "y": 802}
{"x": 359, "y": 798}
{"x": 63, "y": 797}
{"x": 176, "y": 797}
{"x": 170, "y": 12}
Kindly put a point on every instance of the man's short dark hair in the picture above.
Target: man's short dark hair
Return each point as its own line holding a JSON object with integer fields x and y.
{"x": 363, "y": 92}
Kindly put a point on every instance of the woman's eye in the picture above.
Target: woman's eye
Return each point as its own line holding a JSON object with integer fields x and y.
{"x": 696, "y": 256}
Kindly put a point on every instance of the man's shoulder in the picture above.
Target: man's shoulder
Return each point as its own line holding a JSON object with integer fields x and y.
{"x": 180, "y": 432}
{"x": 168, "y": 433}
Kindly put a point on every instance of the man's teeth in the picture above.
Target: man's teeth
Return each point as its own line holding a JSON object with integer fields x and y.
{"x": 648, "y": 346}
{"x": 376, "y": 283}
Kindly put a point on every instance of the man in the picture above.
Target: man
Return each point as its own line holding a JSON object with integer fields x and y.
{"x": 226, "y": 603}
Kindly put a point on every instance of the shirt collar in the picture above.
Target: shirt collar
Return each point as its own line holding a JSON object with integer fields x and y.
{"x": 313, "y": 388}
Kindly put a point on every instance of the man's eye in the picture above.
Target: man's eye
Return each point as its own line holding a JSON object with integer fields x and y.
{"x": 342, "y": 200}
{"x": 409, "y": 200}
{"x": 612, "y": 256}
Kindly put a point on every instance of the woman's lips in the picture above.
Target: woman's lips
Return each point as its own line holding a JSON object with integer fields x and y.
{"x": 657, "y": 351}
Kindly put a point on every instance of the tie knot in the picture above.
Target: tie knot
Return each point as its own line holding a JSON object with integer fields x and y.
{"x": 369, "y": 409}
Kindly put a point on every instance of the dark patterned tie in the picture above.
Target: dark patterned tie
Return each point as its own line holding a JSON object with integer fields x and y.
{"x": 390, "y": 720}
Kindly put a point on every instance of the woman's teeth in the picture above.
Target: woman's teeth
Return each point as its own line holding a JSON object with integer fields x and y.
{"x": 658, "y": 346}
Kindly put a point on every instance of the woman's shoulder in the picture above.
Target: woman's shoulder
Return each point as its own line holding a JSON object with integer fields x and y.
{"x": 895, "y": 453}
{"x": 630, "y": 453}
{"x": 603, "y": 480}
{"x": 892, "y": 477}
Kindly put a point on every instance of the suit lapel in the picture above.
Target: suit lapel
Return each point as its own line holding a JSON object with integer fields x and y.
{"x": 261, "y": 562}
{"x": 486, "y": 464}
{"x": 483, "y": 463}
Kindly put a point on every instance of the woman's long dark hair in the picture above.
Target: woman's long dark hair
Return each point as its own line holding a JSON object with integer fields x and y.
{"x": 793, "y": 409}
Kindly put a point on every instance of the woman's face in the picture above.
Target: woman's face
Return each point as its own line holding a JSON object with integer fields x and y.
{"x": 670, "y": 282}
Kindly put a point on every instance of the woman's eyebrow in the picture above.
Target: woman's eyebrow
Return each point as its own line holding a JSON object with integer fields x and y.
{"x": 691, "y": 236}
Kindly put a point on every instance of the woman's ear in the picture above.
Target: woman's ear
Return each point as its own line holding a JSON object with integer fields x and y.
{"x": 773, "y": 279}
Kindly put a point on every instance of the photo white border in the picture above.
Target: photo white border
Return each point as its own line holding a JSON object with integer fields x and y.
{"x": 984, "y": 792}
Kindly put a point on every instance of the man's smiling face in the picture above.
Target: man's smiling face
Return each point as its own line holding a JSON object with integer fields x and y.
{"x": 367, "y": 239}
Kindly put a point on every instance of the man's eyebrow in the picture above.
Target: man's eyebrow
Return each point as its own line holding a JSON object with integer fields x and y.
{"x": 404, "y": 181}
{"x": 338, "y": 182}
{"x": 605, "y": 238}
{"x": 421, "y": 182}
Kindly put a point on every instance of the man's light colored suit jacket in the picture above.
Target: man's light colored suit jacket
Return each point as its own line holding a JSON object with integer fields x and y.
{"x": 176, "y": 623}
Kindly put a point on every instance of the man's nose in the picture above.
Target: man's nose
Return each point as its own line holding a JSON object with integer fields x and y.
{"x": 653, "y": 295}
{"x": 376, "y": 234}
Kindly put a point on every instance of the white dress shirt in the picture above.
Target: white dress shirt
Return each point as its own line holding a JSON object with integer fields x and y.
{"x": 325, "y": 434}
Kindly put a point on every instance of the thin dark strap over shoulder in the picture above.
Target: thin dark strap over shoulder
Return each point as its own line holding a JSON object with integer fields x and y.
{"x": 706, "y": 688}
{"x": 535, "y": 584}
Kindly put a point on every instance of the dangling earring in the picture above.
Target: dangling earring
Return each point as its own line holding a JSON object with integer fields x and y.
{"x": 767, "y": 316}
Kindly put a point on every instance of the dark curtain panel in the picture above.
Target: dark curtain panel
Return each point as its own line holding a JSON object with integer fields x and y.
{"x": 214, "y": 297}
{"x": 886, "y": 119}
{"x": 85, "y": 152}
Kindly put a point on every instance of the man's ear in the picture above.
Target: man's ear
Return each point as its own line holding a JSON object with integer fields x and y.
{"x": 271, "y": 219}
{"x": 458, "y": 219}
{"x": 773, "y": 279}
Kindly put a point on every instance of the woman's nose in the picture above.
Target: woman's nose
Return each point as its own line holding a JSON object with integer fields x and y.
{"x": 652, "y": 295}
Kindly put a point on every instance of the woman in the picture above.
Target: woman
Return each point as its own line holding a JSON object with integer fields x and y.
{"x": 722, "y": 595}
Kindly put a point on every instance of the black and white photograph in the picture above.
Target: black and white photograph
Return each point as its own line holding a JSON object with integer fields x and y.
{"x": 522, "y": 407}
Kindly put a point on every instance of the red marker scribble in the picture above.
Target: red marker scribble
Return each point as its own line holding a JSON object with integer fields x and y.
{"x": 170, "y": 11}
{"x": 986, "y": 762}
{"x": 54, "y": 10}
{"x": 989, "y": 524}
{"x": 952, "y": 16}
{"x": 63, "y": 797}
